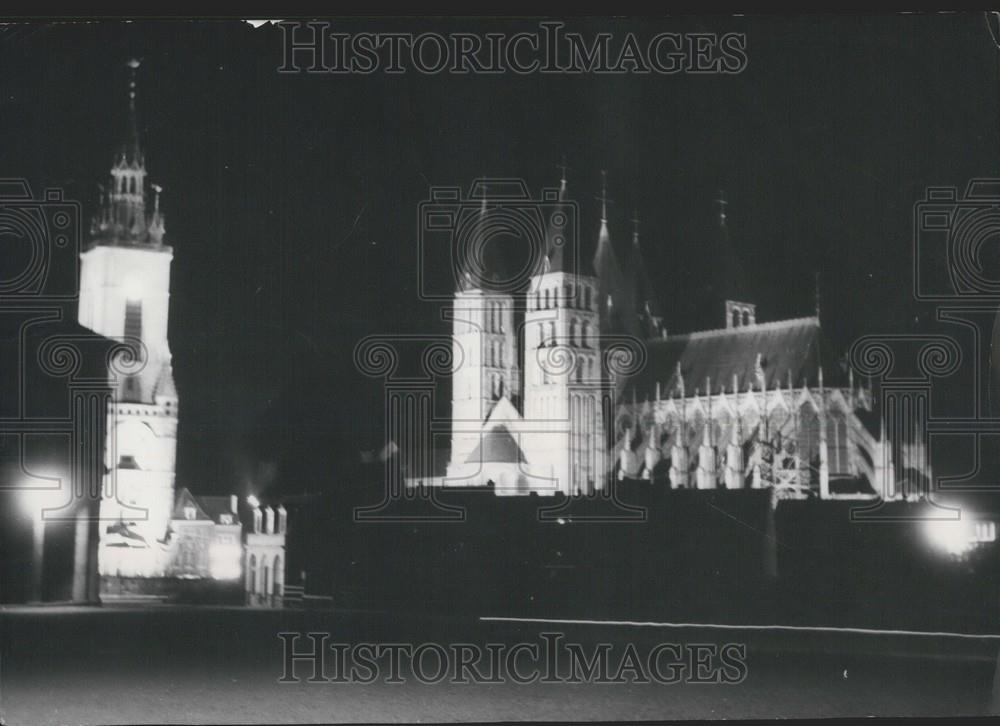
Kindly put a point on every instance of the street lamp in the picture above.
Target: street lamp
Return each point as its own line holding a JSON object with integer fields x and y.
{"x": 35, "y": 502}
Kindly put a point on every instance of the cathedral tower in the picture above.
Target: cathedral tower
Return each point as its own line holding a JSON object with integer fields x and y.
{"x": 124, "y": 295}
{"x": 484, "y": 339}
{"x": 564, "y": 430}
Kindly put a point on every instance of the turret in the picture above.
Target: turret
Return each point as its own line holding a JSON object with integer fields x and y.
{"x": 485, "y": 366}
{"x": 122, "y": 218}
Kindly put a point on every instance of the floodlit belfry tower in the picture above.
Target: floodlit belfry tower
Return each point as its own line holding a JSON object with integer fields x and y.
{"x": 563, "y": 436}
{"x": 485, "y": 369}
{"x": 124, "y": 295}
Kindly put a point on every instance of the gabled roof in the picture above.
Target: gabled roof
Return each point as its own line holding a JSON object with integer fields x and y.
{"x": 186, "y": 499}
{"x": 497, "y": 446}
{"x": 787, "y": 348}
{"x": 503, "y": 412}
{"x": 207, "y": 508}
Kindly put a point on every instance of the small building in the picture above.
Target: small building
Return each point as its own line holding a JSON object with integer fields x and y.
{"x": 205, "y": 538}
{"x": 264, "y": 554}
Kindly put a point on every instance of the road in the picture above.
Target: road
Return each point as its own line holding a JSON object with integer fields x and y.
{"x": 160, "y": 664}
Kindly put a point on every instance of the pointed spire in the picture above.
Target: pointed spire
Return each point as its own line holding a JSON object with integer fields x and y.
{"x": 466, "y": 280}
{"x": 560, "y": 251}
{"x": 130, "y": 153}
{"x": 817, "y": 295}
{"x": 608, "y": 272}
{"x": 604, "y": 197}
{"x": 156, "y": 225}
{"x": 563, "y": 168}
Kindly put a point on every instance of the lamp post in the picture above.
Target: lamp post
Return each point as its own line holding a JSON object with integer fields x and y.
{"x": 35, "y": 502}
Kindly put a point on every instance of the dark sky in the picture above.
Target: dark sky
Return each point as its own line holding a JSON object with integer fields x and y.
{"x": 292, "y": 200}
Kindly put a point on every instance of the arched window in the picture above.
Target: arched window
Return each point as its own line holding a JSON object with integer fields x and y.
{"x": 746, "y": 317}
{"x": 252, "y": 574}
{"x": 541, "y": 335}
{"x": 538, "y": 299}
{"x": 548, "y": 300}
{"x": 568, "y": 294}
{"x": 736, "y": 318}
{"x": 572, "y": 332}
{"x": 266, "y": 580}
{"x": 552, "y": 333}
{"x": 585, "y": 335}
{"x": 579, "y": 370}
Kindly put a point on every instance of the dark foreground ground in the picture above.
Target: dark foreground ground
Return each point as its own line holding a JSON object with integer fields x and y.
{"x": 217, "y": 665}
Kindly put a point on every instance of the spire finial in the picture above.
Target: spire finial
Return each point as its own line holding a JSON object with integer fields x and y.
{"x": 563, "y": 168}
{"x": 131, "y": 152}
{"x": 604, "y": 196}
{"x": 721, "y": 201}
{"x": 133, "y": 65}
{"x": 816, "y": 293}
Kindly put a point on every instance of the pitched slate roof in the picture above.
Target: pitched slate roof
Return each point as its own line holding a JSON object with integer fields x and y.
{"x": 215, "y": 507}
{"x": 787, "y": 348}
{"x": 186, "y": 499}
{"x": 206, "y": 508}
{"x": 497, "y": 446}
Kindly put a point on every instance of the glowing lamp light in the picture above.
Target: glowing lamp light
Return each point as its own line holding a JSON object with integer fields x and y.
{"x": 36, "y": 500}
{"x": 953, "y": 536}
{"x": 224, "y": 561}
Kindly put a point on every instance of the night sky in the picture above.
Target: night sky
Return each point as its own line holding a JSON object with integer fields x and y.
{"x": 291, "y": 200}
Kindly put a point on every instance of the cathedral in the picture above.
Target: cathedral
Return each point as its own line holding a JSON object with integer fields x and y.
{"x": 572, "y": 382}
